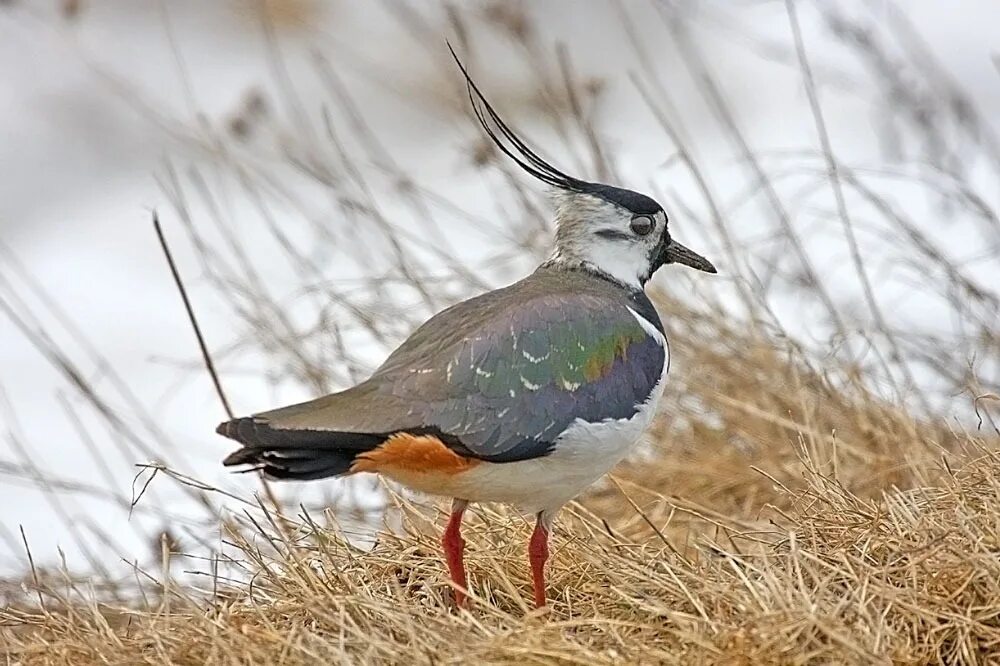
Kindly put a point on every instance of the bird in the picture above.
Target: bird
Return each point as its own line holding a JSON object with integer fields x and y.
{"x": 525, "y": 395}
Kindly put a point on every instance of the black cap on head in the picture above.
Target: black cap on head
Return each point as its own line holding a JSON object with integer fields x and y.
{"x": 639, "y": 204}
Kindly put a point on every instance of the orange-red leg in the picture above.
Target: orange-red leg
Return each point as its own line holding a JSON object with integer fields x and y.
{"x": 454, "y": 547}
{"x": 538, "y": 553}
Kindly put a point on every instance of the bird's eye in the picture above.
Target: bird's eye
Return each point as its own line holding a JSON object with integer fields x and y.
{"x": 642, "y": 225}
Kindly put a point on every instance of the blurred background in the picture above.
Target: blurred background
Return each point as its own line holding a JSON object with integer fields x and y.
{"x": 324, "y": 189}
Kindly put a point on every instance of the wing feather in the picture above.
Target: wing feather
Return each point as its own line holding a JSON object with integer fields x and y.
{"x": 506, "y": 373}
{"x": 524, "y": 379}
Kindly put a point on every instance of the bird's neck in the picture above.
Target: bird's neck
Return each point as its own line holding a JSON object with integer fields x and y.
{"x": 635, "y": 298}
{"x": 561, "y": 261}
{"x": 609, "y": 268}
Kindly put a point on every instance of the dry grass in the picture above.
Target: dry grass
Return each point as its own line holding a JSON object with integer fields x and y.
{"x": 806, "y": 495}
{"x": 796, "y": 524}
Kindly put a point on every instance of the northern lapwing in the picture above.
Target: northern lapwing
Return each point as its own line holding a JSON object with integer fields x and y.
{"x": 525, "y": 395}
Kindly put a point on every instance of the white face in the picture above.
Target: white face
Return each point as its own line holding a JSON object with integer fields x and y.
{"x": 609, "y": 238}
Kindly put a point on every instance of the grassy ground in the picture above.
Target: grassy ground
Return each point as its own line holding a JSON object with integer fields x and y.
{"x": 799, "y": 523}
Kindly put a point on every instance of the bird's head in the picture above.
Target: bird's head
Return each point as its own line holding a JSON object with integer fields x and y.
{"x": 617, "y": 232}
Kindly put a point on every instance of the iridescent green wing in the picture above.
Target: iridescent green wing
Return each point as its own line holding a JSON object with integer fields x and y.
{"x": 509, "y": 388}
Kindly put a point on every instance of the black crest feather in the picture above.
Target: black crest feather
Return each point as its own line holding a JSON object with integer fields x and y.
{"x": 530, "y": 162}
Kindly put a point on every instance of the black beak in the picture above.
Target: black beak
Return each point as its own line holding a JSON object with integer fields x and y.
{"x": 675, "y": 253}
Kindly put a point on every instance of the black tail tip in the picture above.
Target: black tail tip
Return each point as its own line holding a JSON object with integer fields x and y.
{"x": 242, "y": 456}
{"x": 244, "y": 430}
